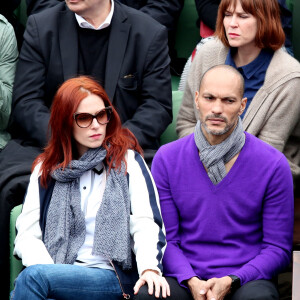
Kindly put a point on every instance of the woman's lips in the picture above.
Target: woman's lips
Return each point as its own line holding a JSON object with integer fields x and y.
{"x": 95, "y": 136}
{"x": 233, "y": 35}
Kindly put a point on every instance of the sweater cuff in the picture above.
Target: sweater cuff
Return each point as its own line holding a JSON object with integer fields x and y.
{"x": 182, "y": 279}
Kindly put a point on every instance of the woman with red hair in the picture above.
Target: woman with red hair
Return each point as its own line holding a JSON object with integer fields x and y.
{"x": 91, "y": 221}
{"x": 249, "y": 37}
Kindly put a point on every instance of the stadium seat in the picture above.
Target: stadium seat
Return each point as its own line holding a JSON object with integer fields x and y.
{"x": 170, "y": 134}
{"x": 15, "y": 264}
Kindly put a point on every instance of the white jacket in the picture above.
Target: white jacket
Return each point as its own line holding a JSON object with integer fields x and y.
{"x": 146, "y": 226}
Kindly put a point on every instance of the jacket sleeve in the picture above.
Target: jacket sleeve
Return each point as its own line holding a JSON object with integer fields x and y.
{"x": 30, "y": 115}
{"x": 208, "y": 11}
{"x": 281, "y": 124}
{"x": 175, "y": 262}
{"x": 154, "y": 113}
{"x": 146, "y": 225}
{"x": 277, "y": 226}
{"x": 8, "y": 60}
{"x": 28, "y": 243}
{"x": 165, "y": 12}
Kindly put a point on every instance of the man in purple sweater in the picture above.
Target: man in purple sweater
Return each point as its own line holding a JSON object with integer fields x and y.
{"x": 226, "y": 200}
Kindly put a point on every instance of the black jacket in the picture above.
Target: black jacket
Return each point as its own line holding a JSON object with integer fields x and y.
{"x": 49, "y": 56}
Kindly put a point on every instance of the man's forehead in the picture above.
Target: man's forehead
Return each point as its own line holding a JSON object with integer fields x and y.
{"x": 220, "y": 82}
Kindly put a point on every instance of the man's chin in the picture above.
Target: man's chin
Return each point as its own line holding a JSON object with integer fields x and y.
{"x": 215, "y": 131}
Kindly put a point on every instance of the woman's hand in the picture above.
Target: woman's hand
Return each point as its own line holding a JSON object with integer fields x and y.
{"x": 152, "y": 278}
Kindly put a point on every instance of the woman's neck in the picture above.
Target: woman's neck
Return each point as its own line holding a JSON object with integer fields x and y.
{"x": 245, "y": 55}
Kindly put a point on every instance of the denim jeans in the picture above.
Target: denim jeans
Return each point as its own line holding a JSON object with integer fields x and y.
{"x": 66, "y": 282}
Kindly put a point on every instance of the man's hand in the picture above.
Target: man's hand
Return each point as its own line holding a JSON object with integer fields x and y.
{"x": 200, "y": 289}
{"x": 220, "y": 287}
{"x": 152, "y": 277}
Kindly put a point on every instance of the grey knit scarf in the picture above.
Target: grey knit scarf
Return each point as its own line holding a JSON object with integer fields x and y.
{"x": 214, "y": 157}
{"x": 65, "y": 226}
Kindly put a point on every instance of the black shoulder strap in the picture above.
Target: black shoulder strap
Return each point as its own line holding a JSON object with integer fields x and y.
{"x": 45, "y": 198}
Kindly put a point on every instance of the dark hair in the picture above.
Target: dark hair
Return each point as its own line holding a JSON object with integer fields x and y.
{"x": 59, "y": 151}
{"x": 267, "y": 12}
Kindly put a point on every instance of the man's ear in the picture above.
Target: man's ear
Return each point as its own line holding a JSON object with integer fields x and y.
{"x": 243, "y": 105}
{"x": 196, "y": 99}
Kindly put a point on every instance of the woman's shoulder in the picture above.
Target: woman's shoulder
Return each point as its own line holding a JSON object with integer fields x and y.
{"x": 213, "y": 46}
{"x": 282, "y": 69}
{"x": 133, "y": 159}
{"x": 36, "y": 172}
{"x": 212, "y": 53}
{"x": 284, "y": 62}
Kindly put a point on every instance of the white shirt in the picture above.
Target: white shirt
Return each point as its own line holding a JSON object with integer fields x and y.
{"x": 92, "y": 188}
{"x": 83, "y": 23}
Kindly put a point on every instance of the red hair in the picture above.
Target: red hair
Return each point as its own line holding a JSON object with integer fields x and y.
{"x": 267, "y": 12}
{"x": 60, "y": 149}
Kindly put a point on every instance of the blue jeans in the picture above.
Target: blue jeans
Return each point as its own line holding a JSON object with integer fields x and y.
{"x": 66, "y": 282}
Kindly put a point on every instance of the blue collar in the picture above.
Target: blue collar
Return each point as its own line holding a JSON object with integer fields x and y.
{"x": 252, "y": 68}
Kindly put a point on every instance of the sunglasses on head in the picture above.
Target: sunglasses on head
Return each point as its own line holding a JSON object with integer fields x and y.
{"x": 84, "y": 120}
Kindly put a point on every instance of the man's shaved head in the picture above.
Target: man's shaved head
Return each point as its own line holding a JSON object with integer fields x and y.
{"x": 231, "y": 71}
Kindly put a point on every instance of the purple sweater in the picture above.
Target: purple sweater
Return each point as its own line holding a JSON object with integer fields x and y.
{"x": 241, "y": 226}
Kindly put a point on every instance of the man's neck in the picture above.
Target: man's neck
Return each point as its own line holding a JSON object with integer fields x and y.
{"x": 98, "y": 16}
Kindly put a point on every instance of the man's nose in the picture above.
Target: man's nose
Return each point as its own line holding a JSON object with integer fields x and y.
{"x": 217, "y": 108}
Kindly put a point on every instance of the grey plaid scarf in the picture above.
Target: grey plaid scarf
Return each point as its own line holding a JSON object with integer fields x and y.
{"x": 214, "y": 157}
{"x": 65, "y": 227}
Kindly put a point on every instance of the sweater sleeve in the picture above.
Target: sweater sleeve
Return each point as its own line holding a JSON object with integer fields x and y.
{"x": 277, "y": 226}
{"x": 146, "y": 225}
{"x": 186, "y": 119}
{"x": 175, "y": 262}
{"x": 28, "y": 243}
{"x": 8, "y": 60}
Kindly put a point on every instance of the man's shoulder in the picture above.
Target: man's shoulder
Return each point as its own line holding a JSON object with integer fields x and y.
{"x": 180, "y": 147}
{"x": 51, "y": 12}
{"x": 136, "y": 17}
{"x": 5, "y": 26}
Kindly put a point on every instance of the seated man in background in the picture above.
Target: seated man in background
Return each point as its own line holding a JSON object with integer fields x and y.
{"x": 122, "y": 48}
{"x": 226, "y": 200}
{"x": 165, "y": 12}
